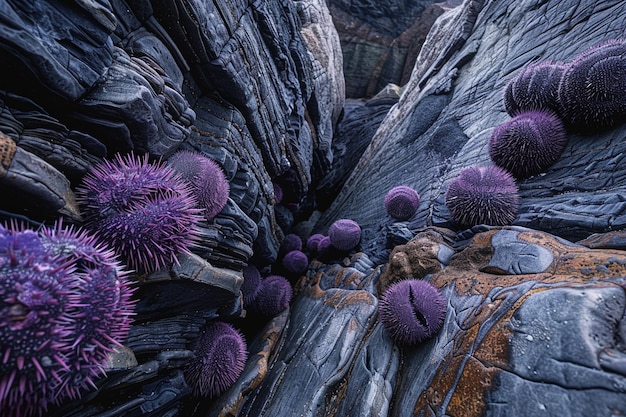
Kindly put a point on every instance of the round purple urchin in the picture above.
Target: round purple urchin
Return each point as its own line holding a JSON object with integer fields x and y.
{"x": 412, "y": 311}
{"x": 251, "y": 284}
{"x": 528, "y": 143}
{"x": 65, "y": 301}
{"x": 402, "y": 202}
{"x": 534, "y": 87}
{"x": 325, "y": 250}
{"x": 145, "y": 211}
{"x": 295, "y": 262}
{"x": 274, "y": 296}
{"x": 483, "y": 195}
{"x": 221, "y": 355}
{"x": 313, "y": 241}
{"x": 290, "y": 242}
{"x": 344, "y": 234}
{"x": 591, "y": 93}
{"x": 207, "y": 180}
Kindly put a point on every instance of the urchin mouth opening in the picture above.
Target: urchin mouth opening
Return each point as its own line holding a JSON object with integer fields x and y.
{"x": 416, "y": 311}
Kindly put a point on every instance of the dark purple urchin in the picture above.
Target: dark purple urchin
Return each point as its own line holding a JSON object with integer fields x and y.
{"x": 295, "y": 262}
{"x": 274, "y": 296}
{"x": 528, "y": 143}
{"x": 145, "y": 211}
{"x": 64, "y": 302}
{"x": 534, "y": 87}
{"x": 290, "y": 242}
{"x": 591, "y": 93}
{"x": 221, "y": 355}
{"x": 344, "y": 234}
{"x": 251, "y": 284}
{"x": 313, "y": 241}
{"x": 402, "y": 202}
{"x": 206, "y": 177}
{"x": 483, "y": 195}
{"x": 325, "y": 250}
{"x": 412, "y": 311}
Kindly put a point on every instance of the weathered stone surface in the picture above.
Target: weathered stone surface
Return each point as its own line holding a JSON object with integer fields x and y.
{"x": 454, "y": 100}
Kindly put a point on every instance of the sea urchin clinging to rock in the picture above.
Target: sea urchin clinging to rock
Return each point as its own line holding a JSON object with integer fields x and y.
{"x": 402, "y": 202}
{"x": 483, "y": 195}
{"x": 221, "y": 355}
{"x": 528, "y": 143}
{"x": 344, "y": 234}
{"x": 65, "y": 302}
{"x": 534, "y": 87}
{"x": 412, "y": 310}
{"x": 146, "y": 211}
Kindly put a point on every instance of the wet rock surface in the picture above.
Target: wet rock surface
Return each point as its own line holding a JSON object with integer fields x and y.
{"x": 536, "y": 311}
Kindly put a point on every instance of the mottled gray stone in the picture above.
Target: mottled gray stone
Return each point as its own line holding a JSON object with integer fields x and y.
{"x": 515, "y": 256}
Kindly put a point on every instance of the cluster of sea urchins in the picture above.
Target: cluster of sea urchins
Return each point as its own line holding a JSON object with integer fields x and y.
{"x": 146, "y": 211}
{"x": 65, "y": 305}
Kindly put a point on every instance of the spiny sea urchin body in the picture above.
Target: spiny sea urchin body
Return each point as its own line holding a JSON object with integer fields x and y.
{"x": 344, "y": 234}
{"x": 528, "y": 143}
{"x": 207, "y": 180}
{"x": 295, "y": 262}
{"x": 534, "y": 87}
{"x": 290, "y": 242}
{"x": 313, "y": 241}
{"x": 145, "y": 211}
{"x": 325, "y": 250}
{"x": 274, "y": 296}
{"x": 65, "y": 301}
{"x": 591, "y": 92}
{"x": 412, "y": 311}
{"x": 402, "y": 202}
{"x": 221, "y": 355}
{"x": 251, "y": 284}
{"x": 483, "y": 195}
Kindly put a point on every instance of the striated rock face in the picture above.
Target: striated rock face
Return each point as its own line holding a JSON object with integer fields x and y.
{"x": 381, "y": 40}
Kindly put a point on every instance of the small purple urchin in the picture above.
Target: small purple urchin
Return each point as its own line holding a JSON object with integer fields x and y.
{"x": 207, "y": 180}
{"x": 296, "y": 262}
{"x": 483, "y": 195}
{"x": 528, "y": 143}
{"x": 146, "y": 212}
{"x": 221, "y": 355}
{"x": 344, "y": 234}
{"x": 65, "y": 301}
{"x": 412, "y": 311}
{"x": 534, "y": 87}
{"x": 313, "y": 241}
{"x": 325, "y": 250}
{"x": 251, "y": 284}
{"x": 274, "y": 296}
{"x": 591, "y": 93}
{"x": 290, "y": 242}
{"x": 402, "y": 202}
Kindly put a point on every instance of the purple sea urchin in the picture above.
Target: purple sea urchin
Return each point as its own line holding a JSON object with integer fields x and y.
{"x": 207, "y": 180}
{"x": 591, "y": 92}
{"x": 295, "y": 262}
{"x": 528, "y": 143}
{"x": 274, "y": 296}
{"x": 145, "y": 211}
{"x": 412, "y": 311}
{"x": 402, "y": 202}
{"x": 290, "y": 242}
{"x": 251, "y": 284}
{"x": 534, "y": 87}
{"x": 325, "y": 250}
{"x": 65, "y": 302}
{"x": 313, "y": 241}
{"x": 344, "y": 234}
{"x": 483, "y": 195}
{"x": 221, "y": 355}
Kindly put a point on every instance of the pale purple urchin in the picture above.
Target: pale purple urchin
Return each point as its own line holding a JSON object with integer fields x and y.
{"x": 412, "y": 311}
{"x": 344, "y": 234}
{"x": 145, "y": 211}
{"x": 274, "y": 296}
{"x": 206, "y": 177}
{"x": 295, "y": 262}
{"x": 483, "y": 195}
{"x": 591, "y": 93}
{"x": 529, "y": 143}
{"x": 402, "y": 202}
{"x": 534, "y": 87}
{"x": 220, "y": 357}
{"x": 64, "y": 302}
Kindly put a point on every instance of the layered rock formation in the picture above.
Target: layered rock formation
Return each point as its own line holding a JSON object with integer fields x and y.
{"x": 535, "y": 321}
